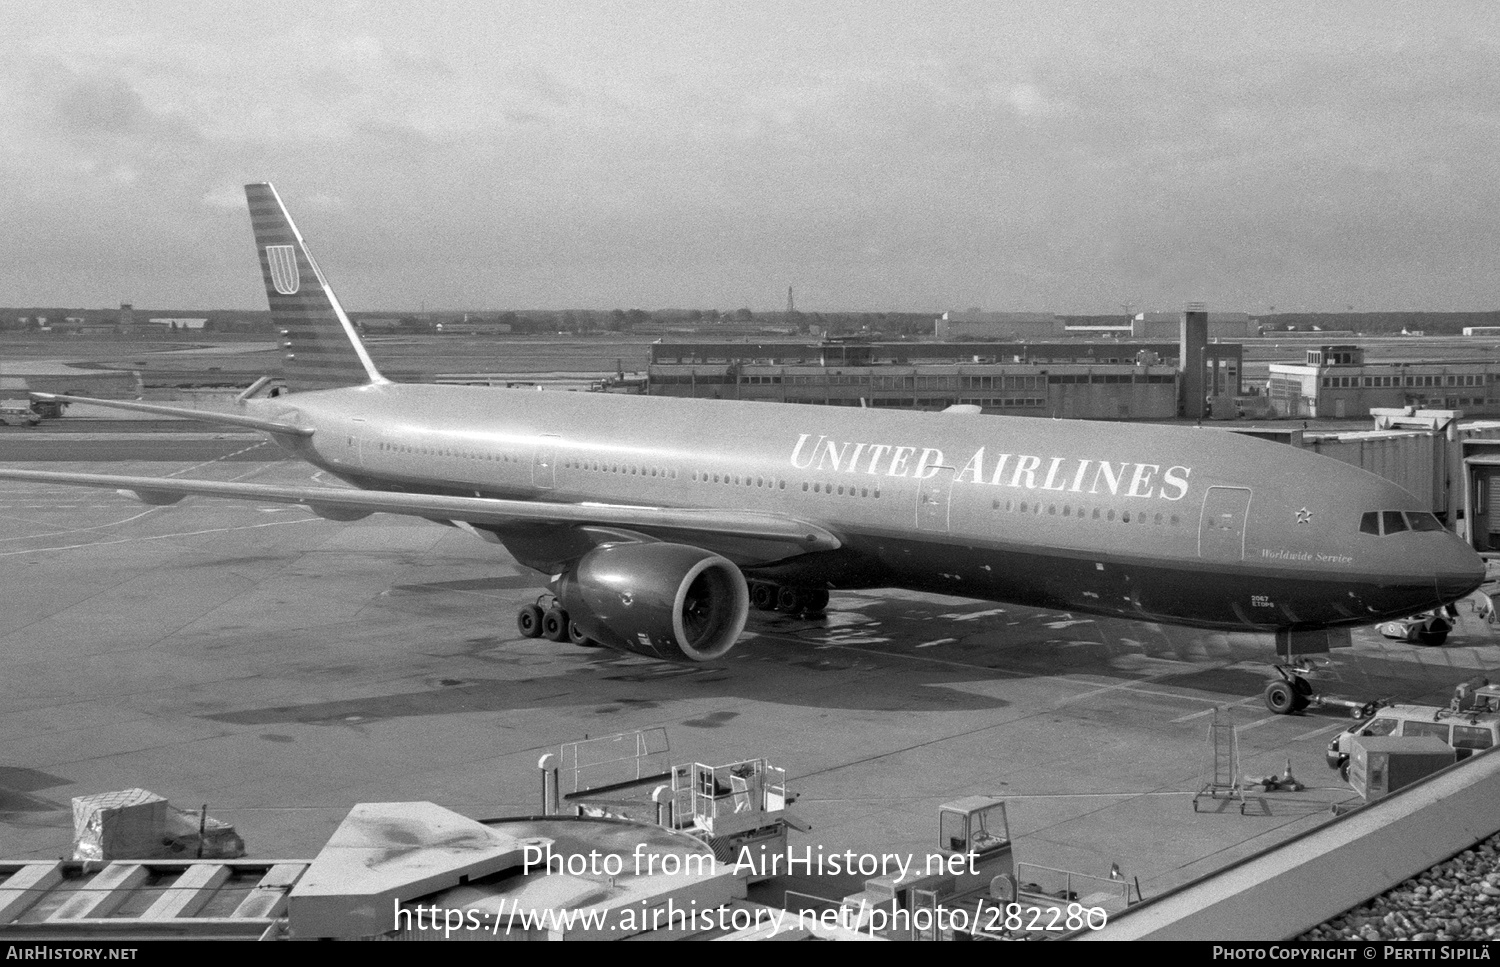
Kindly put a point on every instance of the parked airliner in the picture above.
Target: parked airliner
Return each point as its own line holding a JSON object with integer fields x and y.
{"x": 660, "y": 522}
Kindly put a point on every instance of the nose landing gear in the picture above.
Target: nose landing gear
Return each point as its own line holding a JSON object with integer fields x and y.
{"x": 1288, "y": 694}
{"x": 1292, "y": 693}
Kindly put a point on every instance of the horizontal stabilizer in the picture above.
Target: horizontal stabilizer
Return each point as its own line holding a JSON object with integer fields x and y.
{"x": 205, "y": 416}
{"x": 798, "y": 536}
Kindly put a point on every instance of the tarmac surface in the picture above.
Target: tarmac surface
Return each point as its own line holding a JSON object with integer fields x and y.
{"x": 281, "y": 668}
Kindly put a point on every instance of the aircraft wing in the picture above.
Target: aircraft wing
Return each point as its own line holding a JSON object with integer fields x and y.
{"x": 760, "y": 535}
{"x": 206, "y": 416}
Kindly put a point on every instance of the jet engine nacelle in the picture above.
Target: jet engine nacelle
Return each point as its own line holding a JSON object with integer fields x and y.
{"x": 671, "y": 601}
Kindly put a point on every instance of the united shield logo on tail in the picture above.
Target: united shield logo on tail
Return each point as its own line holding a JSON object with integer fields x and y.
{"x": 283, "y": 262}
{"x": 322, "y": 349}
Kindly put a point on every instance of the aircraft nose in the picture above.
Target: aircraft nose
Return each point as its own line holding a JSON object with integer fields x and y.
{"x": 1460, "y": 573}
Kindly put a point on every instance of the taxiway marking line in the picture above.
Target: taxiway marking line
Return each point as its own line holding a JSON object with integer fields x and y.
{"x": 777, "y": 636}
{"x": 1128, "y": 686}
{"x": 1120, "y": 686}
{"x": 117, "y": 523}
{"x": 1208, "y": 711}
{"x": 1257, "y": 723}
{"x": 226, "y": 456}
{"x": 1326, "y": 728}
{"x": 79, "y": 530}
{"x": 158, "y": 537}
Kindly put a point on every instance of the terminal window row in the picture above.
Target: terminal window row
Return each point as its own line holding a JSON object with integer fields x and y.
{"x": 1396, "y": 521}
{"x": 1002, "y": 402}
{"x": 1451, "y": 379}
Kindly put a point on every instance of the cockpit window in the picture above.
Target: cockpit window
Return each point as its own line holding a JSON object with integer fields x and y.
{"x": 1395, "y": 521}
{"x": 1423, "y": 522}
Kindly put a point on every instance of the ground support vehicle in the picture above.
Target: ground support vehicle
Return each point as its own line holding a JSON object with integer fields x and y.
{"x": 1423, "y": 628}
{"x": 17, "y": 413}
{"x": 1469, "y": 723}
{"x": 971, "y": 888}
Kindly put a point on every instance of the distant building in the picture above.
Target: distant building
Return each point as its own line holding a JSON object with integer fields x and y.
{"x": 1336, "y": 381}
{"x": 178, "y": 322}
{"x": 1114, "y": 380}
{"x": 378, "y": 323}
{"x": 954, "y": 326}
{"x": 1221, "y": 325}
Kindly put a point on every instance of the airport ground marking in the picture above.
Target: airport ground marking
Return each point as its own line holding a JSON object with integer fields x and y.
{"x": 1340, "y": 726}
{"x": 1208, "y": 711}
{"x": 1273, "y": 717}
{"x": 78, "y": 530}
{"x": 894, "y": 654}
{"x": 158, "y": 537}
{"x": 220, "y": 459}
{"x": 1130, "y": 686}
{"x": 117, "y": 523}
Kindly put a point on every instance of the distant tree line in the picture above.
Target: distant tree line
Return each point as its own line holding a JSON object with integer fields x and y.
{"x": 586, "y": 321}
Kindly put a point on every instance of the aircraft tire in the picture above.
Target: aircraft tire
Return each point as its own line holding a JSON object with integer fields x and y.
{"x": 816, "y": 600}
{"x": 763, "y": 596}
{"x": 577, "y": 637}
{"x": 555, "y": 625}
{"x": 1431, "y": 638}
{"x": 789, "y": 600}
{"x": 1280, "y": 697}
{"x": 529, "y": 621}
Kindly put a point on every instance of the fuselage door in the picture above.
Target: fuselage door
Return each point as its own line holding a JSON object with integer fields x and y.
{"x": 933, "y": 494}
{"x": 1221, "y": 533}
{"x": 356, "y": 443}
{"x": 544, "y": 463}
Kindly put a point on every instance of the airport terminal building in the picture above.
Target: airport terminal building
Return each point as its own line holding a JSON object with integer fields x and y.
{"x": 1336, "y": 381}
{"x": 1017, "y": 326}
{"x": 1108, "y": 380}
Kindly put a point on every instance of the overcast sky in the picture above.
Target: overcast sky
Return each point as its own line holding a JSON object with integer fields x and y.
{"x": 907, "y": 156}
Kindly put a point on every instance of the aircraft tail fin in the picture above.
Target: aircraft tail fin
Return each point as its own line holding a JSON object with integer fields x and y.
{"x": 323, "y": 350}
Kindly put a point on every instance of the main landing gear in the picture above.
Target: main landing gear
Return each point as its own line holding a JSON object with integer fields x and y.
{"x": 552, "y": 623}
{"x": 787, "y": 599}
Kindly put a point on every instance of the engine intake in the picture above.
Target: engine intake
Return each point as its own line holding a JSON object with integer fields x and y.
{"x": 670, "y": 601}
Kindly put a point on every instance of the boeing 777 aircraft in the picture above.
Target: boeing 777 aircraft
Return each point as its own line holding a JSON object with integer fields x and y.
{"x": 659, "y": 522}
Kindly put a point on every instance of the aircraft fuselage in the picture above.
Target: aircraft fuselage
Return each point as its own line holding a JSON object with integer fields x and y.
{"x": 1188, "y": 525}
